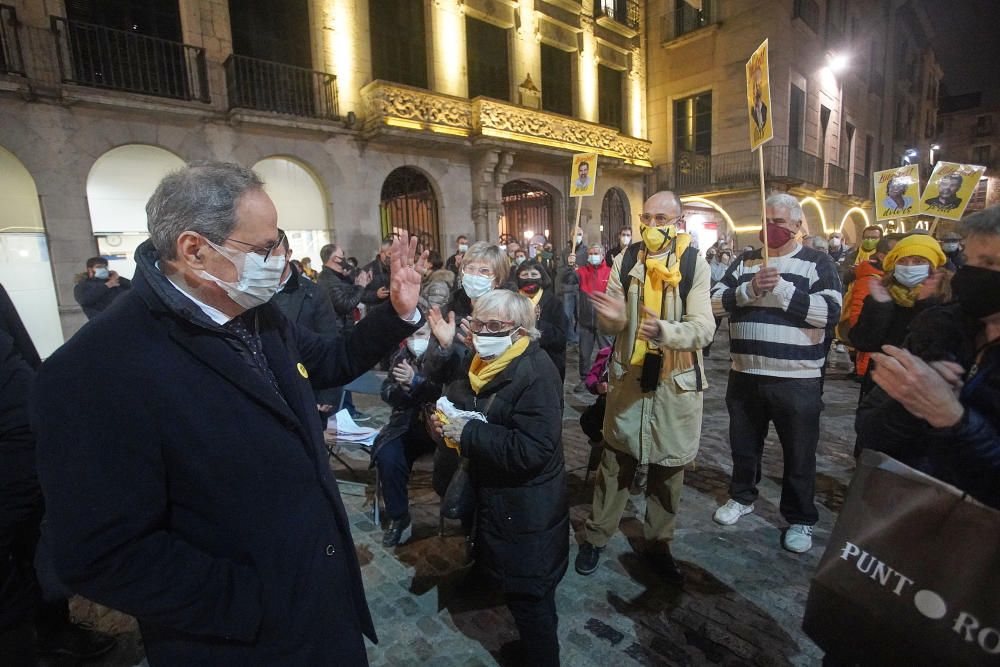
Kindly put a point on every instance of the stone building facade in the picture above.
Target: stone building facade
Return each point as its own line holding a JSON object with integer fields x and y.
{"x": 968, "y": 132}
{"x": 480, "y": 145}
{"x": 853, "y": 88}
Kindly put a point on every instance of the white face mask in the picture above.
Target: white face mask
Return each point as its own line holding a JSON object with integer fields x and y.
{"x": 258, "y": 280}
{"x": 417, "y": 346}
{"x": 595, "y": 259}
{"x": 579, "y": 238}
{"x": 949, "y": 247}
{"x": 518, "y": 261}
{"x": 476, "y": 286}
{"x": 489, "y": 347}
{"x": 911, "y": 276}
{"x": 834, "y": 242}
{"x": 463, "y": 247}
{"x": 102, "y": 273}
{"x": 626, "y": 240}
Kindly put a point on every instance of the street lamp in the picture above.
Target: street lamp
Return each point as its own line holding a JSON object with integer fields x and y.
{"x": 934, "y": 149}
{"x": 909, "y": 156}
{"x": 837, "y": 62}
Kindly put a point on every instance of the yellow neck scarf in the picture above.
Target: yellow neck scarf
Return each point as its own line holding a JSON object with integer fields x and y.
{"x": 864, "y": 255}
{"x": 534, "y": 299}
{"x": 658, "y": 277}
{"x": 480, "y": 372}
{"x": 904, "y": 296}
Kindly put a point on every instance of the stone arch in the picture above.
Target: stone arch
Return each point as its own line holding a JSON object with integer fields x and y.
{"x": 410, "y": 200}
{"x": 301, "y": 200}
{"x": 730, "y": 225}
{"x": 853, "y": 223}
{"x": 808, "y": 229}
{"x": 25, "y": 267}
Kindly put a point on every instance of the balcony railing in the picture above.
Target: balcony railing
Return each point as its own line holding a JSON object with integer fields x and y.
{"x": 268, "y": 86}
{"x": 861, "y": 186}
{"x": 687, "y": 18}
{"x": 836, "y": 178}
{"x": 700, "y": 173}
{"x": 625, "y": 12}
{"x": 102, "y": 57}
{"x": 11, "y": 60}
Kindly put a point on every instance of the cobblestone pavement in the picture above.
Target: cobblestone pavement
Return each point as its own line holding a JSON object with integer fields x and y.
{"x": 742, "y": 603}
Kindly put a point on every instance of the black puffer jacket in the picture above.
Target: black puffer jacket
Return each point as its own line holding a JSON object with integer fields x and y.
{"x": 516, "y": 464}
{"x": 552, "y": 325}
{"x": 966, "y": 455}
{"x": 343, "y": 295}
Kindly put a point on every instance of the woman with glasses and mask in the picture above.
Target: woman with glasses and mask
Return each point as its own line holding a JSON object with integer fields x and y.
{"x": 533, "y": 282}
{"x": 485, "y": 268}
{"x": 521, "y": 533}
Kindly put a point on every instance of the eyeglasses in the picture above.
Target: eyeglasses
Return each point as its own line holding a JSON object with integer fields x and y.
{"x": 484, "y": 271}
{"x": 267, "y": 250}
{"x": 660, "y": 219}
{"x": 490, "y": 326}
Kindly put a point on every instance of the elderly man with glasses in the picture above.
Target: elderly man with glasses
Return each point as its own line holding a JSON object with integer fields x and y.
{"x": 657, "y": 304}
{"x": 200, "y": 500}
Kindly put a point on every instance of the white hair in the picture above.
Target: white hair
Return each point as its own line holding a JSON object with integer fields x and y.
{"x": 786, "y": 202}
{"x": 509, "y": 306}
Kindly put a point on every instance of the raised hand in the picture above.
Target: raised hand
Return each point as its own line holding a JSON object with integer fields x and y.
{"x": 877, "y": 290}
{"x": 465, "y": 337}
{"x": 608, "y": 306}
{"x": 403, "y": 373}
{"x": 363, "y": 278}
{"x": 404, "y": 276}
{"x": 443, "y": 329}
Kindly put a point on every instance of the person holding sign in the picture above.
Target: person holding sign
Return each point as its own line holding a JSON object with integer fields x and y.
{"x": 584, "y": 165}
{"x": 778, "y": 318}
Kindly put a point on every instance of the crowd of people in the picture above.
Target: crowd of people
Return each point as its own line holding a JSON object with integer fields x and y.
{"x": 193, "y": 490}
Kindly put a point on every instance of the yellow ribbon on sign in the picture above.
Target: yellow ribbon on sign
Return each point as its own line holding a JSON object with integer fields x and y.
{"x": 302, "y": 370}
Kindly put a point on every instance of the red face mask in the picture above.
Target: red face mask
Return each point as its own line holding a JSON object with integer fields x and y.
{"x": 777, "y": 236}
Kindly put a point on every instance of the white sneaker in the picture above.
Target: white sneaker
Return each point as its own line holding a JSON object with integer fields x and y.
{"x": 731, "y": 512}
{"x": 798, "y": 538}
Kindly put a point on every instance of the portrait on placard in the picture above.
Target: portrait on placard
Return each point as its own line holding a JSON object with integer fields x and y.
{"x": 949, "y": 189}
{"x": 759, "y": 98}
{"x": 584, "y": 175}
{"x": 897, "y": 192}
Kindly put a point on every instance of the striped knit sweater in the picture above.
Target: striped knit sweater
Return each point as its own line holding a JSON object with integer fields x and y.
{"x": 780, "y": 333}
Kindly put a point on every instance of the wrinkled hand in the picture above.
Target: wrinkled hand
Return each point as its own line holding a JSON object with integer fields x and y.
{"x": 765, "y": 280}
{"x": 382, "y": 292}
{"x": 363, "y": 278}
{"x": 403, "y": 373}
{"x": 926, "y": 391}
{"x": 443, "y": 329}
{"x": 453, "y": 429}
{"x": 929, "y": 288}
{"x": 465, "y": 337}
{"x": 404, "y": 274}
{"x": 649, "y": 330}
{"x": 877, "y": 290}
{"x": 608, "y": 306}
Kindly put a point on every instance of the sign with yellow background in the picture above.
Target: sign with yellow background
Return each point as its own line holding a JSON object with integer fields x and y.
{"x": 584, "y": 175}
{"x": 950, "y": 188}
{"x": 759, "y": 98}
{"x": 897, "y": 192}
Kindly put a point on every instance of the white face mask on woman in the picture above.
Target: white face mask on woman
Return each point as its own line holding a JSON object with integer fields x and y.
{"x": 476, "y": 286}
{"x": 911, "y": 276}
{"x": 258, "y": 280}
{"x": 417, "y": 346}
{"x": 489, "y": 347}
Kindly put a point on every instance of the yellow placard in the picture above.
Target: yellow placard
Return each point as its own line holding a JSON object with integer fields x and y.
{"x": 583, "y": 178}
{"x": 759, "y": 98}
{"x": 950, "y": 188}
{"x": 897, "y": 192}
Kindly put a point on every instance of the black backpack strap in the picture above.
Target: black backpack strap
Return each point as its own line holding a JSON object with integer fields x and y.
{"x": 628, "y": 262}
{"x": 688, "y": 263}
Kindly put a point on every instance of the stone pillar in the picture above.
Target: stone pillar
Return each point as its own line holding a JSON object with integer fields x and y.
{"x": 205, "y": 23}
{"x": 489, "y": 172}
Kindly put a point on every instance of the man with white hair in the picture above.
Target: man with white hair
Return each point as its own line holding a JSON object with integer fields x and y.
{"x": 778, "y": 318}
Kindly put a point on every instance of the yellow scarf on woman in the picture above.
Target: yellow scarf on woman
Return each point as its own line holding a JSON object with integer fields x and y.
{"x": 658, "y": 277}
{"x": 903, "y": 295}
{"x": 480, "y": 372}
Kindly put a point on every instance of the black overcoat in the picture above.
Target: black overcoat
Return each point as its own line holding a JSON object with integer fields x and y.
{"x": 183, "y": 489}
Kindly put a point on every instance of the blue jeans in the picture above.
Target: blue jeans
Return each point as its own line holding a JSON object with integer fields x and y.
{"x": 569, "y": 307}
{"x": 394, "y": 461}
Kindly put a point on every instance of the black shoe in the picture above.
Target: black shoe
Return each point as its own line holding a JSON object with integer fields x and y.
{"x": 78, "y": 642}
{"x": 588, "y": 558}
{"x": 399, "y": 532}
{"x": 664, "y": 564}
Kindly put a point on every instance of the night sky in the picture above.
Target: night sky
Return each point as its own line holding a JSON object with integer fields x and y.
{"x": 967, "y": 44}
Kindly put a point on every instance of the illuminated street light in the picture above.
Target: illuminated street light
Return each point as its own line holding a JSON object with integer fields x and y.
{"x": 837, "y": 62}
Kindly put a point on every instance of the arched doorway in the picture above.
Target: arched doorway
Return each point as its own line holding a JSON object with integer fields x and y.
{"x": 526, "y": 212}
{"x": 614, "y": 216}
{"x": 25, "y": 267}
{"x": 408, "y": 202}
{"x": 301, "y": 203}
{"x": 118, "y": 187}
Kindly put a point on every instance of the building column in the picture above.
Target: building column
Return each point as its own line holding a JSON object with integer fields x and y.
{"x": 489, "y": 172}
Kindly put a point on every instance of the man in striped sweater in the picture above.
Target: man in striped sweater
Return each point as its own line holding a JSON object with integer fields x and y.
{"x": 778, "y": 317}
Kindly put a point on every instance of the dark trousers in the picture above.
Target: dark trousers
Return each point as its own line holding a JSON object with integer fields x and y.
{"x": 394, "y": 461}
{"x": 591, "y": 341}
{"x": 537, "y": 623}
{"x": 569, "y": 307}
{"x": 794, "y": 405}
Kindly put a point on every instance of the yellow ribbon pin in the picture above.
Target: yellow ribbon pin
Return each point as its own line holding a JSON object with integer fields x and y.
{"x": 302, "y": 370}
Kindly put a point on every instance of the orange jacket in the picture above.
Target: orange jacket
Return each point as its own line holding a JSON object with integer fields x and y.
{"x": 853, "y": 301}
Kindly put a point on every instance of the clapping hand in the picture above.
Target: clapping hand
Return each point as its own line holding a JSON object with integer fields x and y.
{"x": 363, "y": 278}
{"x": 403, "y": 373}
{"x": 927, "y": 391}
{"x": 404, "y": 272}
{"x": 877, "y": 290}
{"x": 466, "y": 336}
{"x": 608, "y": 306}
{"x": 443, "y": 329}
{"x": 765, "y": 280}
{"x": 649, "y": 330}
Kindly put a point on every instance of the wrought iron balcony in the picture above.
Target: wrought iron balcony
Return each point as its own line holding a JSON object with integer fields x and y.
{"x": 101, "y": 57}
{"x": 702, "y": 173}
{"x": 625, "y": 12}
{"x": 262, "y": 85}
{"x": 687, "y": 18}
{"x": 11, "y": 60}
{"x": 392, "y": 107}
{"x": 836, "y": 178}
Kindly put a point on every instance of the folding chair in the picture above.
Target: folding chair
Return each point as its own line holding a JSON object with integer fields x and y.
{"x": 369, "y": 383}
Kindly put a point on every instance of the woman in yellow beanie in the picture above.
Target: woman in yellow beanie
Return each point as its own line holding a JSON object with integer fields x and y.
{"x": 913, "y": 281}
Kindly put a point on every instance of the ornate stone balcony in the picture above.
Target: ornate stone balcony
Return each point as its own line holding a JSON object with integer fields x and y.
{"x": 388, "y": 106}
